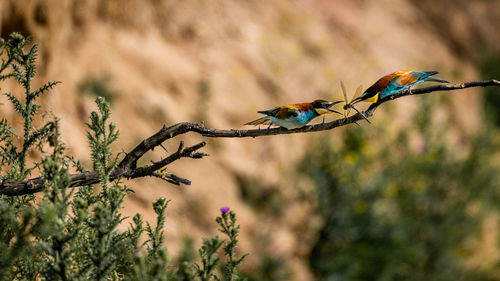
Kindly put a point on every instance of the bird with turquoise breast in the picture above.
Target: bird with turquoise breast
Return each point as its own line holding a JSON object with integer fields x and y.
{"x": 394, "y": 83}
{"x": 293, "y": 116}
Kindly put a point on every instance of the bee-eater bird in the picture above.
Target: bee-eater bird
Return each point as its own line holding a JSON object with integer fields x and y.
{"x": 292, "y": 116}
{"x": 394, "y": 83}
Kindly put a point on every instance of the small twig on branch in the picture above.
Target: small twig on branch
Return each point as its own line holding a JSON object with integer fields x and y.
{"x": 128, "y": 166}
{"x": 171, "y": 178}
{"x": 181, "y": 152}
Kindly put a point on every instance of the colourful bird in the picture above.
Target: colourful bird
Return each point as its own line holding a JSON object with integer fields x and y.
{"x": 292, "y": 116}
{"x": 394, "y": 83}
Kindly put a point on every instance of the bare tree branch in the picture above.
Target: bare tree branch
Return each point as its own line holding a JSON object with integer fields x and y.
{"x": 91, "y": 177}
{"x": 181, "y": 152}
{"x": 127, "y": 168}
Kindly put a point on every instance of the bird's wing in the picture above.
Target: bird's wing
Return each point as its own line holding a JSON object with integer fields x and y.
{"x": 399, "y": 83}
{"x": 383, "y": 82}
{"x": 289, "y": 110}
{"x": 373, "y": 90}
{"x": 383, "y": 85}
{"x": 406, "y": 79}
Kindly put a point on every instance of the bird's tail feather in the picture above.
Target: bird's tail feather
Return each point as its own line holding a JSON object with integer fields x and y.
{"x": 270, "y": 112}
{"x": 430, "y": 73}
{"x": 432, "y": 79}
{"x": 264, "y": 120}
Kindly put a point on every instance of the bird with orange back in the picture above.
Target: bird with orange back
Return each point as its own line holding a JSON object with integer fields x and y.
{"x": 394, "y": 83}
{"x": 293, "y": 116}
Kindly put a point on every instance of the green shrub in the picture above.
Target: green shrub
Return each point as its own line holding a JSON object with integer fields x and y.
{"x": 71, "y": 233}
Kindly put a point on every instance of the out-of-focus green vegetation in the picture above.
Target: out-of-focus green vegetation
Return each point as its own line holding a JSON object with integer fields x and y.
{"x": 489, "y": 67}
{"x": 269, "y": 269}
{"x": 266, "y": 199}
{"x": 97, "y": 86}
{"x": 405, "y": 209}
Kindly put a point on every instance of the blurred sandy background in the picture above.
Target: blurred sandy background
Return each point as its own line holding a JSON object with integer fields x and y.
{"x": 164, "y": 62}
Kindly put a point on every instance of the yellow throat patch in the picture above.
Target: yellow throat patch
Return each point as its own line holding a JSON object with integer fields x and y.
{"x": 322, "y": 111}
{"x": 373, "y": 99}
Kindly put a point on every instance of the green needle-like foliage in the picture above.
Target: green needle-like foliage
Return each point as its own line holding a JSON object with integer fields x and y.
{"x": 71, "y": 234}
{"x": 208, "y": 252}
{"x": 21, "y": 63}
{"x": 155, "y": 240}
{"x": 100, "y": 136}
{"x": 227, "y": 223}
{"x": 209, "y": 259}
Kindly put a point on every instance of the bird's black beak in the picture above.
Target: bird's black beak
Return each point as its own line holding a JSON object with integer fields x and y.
{"x": 330, "y": 104}
{"x": 331, "y": 110}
